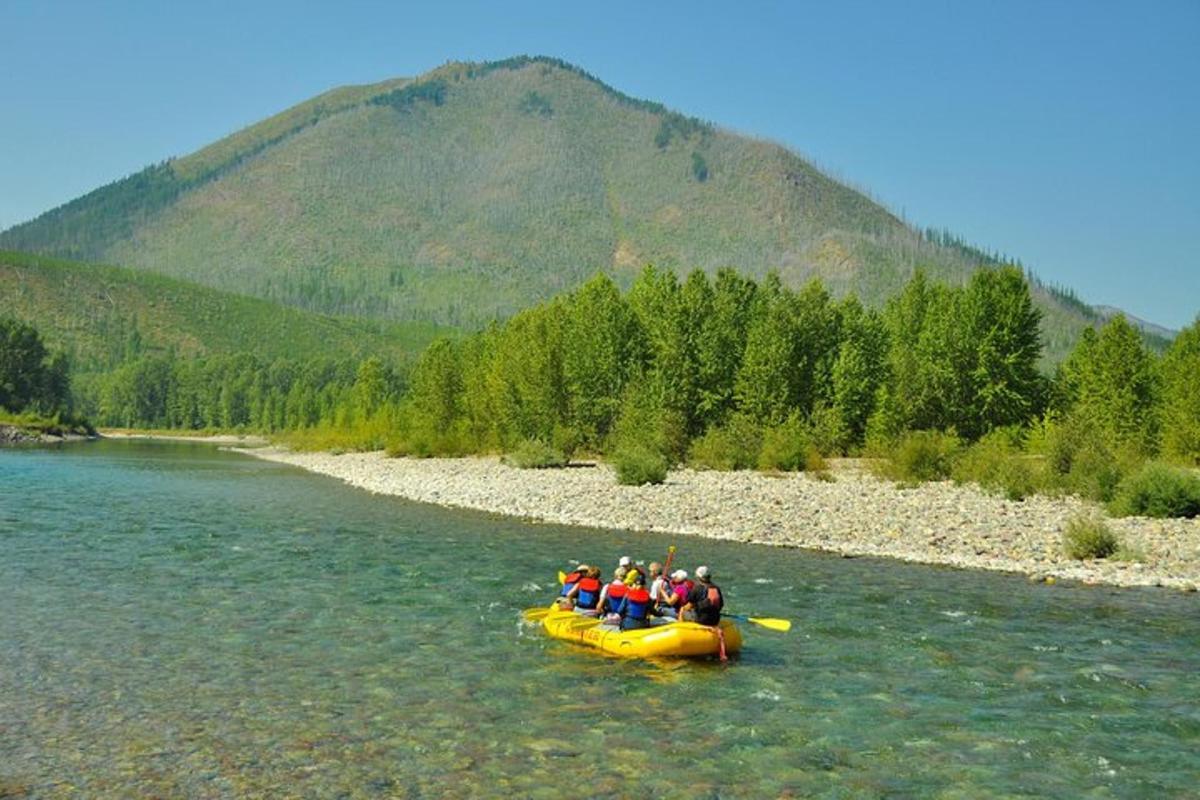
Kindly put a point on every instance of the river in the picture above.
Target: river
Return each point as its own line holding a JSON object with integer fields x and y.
{"x": 180, "y": 621}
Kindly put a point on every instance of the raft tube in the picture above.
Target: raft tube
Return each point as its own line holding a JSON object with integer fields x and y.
{"x": 666, "y": 640}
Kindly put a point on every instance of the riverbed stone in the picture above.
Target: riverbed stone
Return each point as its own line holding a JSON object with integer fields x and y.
{"x": 856, "y": 515}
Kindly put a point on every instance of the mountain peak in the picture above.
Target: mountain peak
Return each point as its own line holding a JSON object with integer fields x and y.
{"x": 474, "y": 189}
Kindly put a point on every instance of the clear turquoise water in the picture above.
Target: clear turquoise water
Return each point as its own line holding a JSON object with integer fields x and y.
{"x": 177, "y": 621}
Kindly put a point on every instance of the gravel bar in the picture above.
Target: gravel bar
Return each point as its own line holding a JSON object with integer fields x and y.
{"x": 857, "y": 514}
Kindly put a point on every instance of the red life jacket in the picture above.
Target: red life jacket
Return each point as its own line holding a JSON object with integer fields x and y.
{"x": 589, "y": 593}
{"x": 637, "y": 603}
{"x": 570, "y": 580}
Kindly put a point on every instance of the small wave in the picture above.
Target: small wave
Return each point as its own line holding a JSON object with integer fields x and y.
{"x": 1046, "y": 648}
{"x": 764, "y": 580}
{"x": 954, "y": 614}
{"x": 763, "y": 694}
{"x": 531, "y": 587}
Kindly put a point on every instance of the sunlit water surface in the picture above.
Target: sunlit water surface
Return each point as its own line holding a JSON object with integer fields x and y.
{"x": 179, "y": 621}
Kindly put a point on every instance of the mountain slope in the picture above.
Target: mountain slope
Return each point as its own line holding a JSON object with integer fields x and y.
{"x": 476, "y": 190}
{"x": 101, "y": 315}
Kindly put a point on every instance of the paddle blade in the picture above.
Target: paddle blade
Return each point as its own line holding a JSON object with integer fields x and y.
{"x": 535, "y": 614}
{"x": 562, "y": 577}
{"x": 771, "y": 622}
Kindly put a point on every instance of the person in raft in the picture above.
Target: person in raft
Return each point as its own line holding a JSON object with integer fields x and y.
{"x": 584, "y": 596}
{"x": 704, "y": 602}
{"x": 571, "y": 578}
{"x": 612, "y": 596}
{"x": 635, "y": 611}
{"x": 628, "y": 564}
{"x": 674, "y": 594}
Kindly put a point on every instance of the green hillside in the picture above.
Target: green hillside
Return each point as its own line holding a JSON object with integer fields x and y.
{"x": 103, "y": 316}
{"x": 478, "y": 189}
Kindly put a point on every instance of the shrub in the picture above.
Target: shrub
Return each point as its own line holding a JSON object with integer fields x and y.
{"x": 1080, "y": 460}
{"x": 735, "y": 445}
{"x": 1089, "y": 537}
{"x": 638, "y": 465}
{"x": 565, "y": 439}
{"x": 785, "y": 446}
{"x": 535, "y": 454}
{"x": 643, "y": 421}
{"x": 1158, "y": 490}
{"x": 921, "y": 456}
{"x": 419, "y": 438}
{"x": 997, "y": 465}
{"x": 827, "y": 432}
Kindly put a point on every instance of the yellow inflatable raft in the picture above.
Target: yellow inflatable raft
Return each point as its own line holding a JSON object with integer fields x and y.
{"x": 666, "y": 639}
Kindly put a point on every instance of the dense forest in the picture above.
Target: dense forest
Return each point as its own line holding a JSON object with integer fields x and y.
{"x": 237, "y": 392}
{"x": 721, "y": 373}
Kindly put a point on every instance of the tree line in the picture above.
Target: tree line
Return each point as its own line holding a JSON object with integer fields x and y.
{"x": 732, "y": 363}
{"x": 237, "y": 392}
{"x": 722, "y": 371}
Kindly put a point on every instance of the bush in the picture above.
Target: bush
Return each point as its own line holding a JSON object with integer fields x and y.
{"x": 535, "y": 454}
{"x": 418, "y": 437}
{"x": 1079, "y": 459}
{"x": 644, "y": 422}
{"x": 1089, "y": 537}
{"x": 638, "y": 465}
{"x": 1158, "y": 490}
{"x": 997, "y": 465}
{"x": 735, "y": 445}
{"x": 827, "y": 432}
{"x": 921, "y": 456}
{"x": 785, "y": 446}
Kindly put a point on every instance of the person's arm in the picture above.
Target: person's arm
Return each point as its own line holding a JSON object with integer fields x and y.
{"x": 689, "y": 602}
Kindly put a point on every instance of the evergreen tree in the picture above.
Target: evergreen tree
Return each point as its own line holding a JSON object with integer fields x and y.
{"x": 1000, "y": 331}
{"x": 437, "y": 384}
{"x": 1181, "y": 396}
{"x": 766, "y": 377}
{"x": 603, "y": 346}
{"x": 673, "y": 376}
{"x": 722, "y": 343}
{"x": 30, "y": 377}
{"x": 1109, "y": 382}
{"x": 860, "y": 369}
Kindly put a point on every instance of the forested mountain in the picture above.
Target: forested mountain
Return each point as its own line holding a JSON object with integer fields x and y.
{"x": 101, "y": 317}
{"x": 477, "y": 189}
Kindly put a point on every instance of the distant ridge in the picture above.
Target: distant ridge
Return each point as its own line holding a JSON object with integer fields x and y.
{"x": 103, "y": 316}
{"x": 477, "y": 189}
{"x": 1149, "y": 328}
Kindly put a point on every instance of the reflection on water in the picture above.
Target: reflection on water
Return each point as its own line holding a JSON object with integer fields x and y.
{"x": 180, "y": 621}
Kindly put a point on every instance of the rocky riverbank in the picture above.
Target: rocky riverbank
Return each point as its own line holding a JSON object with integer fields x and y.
{"x": 17, "y": 434}
{"x": 240, "y": 439}
{"x": 856, "y": 514}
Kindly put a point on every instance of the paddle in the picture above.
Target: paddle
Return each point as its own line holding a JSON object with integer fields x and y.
{"x": 670, "y": 557}
{"x": 771, "y": 623}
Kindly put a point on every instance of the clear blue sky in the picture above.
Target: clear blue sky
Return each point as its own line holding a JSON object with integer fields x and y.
{"x": 1064, "y": 134}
